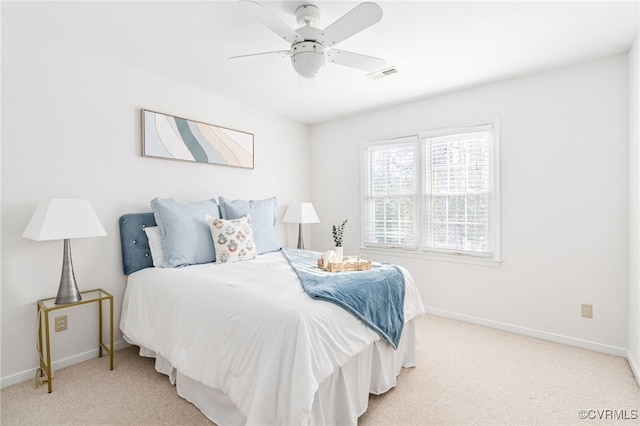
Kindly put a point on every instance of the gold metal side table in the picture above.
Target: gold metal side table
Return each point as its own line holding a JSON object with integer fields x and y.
{"x": 46, "y": 306}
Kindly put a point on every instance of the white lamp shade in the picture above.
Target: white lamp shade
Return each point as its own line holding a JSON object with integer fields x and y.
{"x": 60, "y": 219}
{"x": 300, "y": 213}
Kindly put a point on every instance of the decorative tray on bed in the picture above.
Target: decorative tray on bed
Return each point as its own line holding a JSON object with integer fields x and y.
{"x": 345, "y": 265}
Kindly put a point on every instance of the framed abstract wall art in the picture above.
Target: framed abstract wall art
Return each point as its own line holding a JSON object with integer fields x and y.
{"x": 175, "y": 138}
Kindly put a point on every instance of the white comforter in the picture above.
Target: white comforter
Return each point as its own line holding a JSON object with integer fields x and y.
{"x": 249, "y": 330}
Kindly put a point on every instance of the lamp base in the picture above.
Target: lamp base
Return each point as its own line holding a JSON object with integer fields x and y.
{"x": 300, "y": 239}
{"x": 68, "y": 290}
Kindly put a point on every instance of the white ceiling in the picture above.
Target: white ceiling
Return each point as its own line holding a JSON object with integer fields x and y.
{"x": 436, "y": 46}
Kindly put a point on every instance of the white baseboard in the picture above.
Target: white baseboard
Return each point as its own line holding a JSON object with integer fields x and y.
{"x": 57, "y": 365}
{"x": 635, "y": 368}
{"x": 557, "y": 338}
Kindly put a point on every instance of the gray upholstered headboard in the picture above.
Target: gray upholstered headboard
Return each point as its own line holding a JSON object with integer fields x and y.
{"x": 136, "y": 254}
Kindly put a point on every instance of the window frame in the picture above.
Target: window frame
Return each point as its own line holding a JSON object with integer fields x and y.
{"x": 420, "y": 251}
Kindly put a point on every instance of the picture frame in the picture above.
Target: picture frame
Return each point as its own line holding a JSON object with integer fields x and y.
{"x": 176, "y": 138}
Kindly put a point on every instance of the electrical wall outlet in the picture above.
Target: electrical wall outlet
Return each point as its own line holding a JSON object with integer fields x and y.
{"x": 587, "y": 310}
{"x": 60, "y": 323}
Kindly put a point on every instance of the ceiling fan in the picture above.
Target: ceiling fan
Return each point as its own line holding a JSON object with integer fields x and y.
{"x": 312, "y": 47}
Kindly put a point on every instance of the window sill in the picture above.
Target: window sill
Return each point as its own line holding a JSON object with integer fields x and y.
{"x": 433, "y": 256}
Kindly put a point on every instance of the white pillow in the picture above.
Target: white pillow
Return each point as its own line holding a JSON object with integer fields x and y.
{"x": 155, "y": 244}
{"x": 232, "y": 238}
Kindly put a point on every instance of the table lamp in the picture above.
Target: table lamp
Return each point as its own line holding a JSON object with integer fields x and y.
{"x": 63, "y": 219}
{"x": 300, "y": 213}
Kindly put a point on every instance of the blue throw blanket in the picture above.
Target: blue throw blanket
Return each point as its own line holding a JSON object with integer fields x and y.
{"x": 375, "y": 296}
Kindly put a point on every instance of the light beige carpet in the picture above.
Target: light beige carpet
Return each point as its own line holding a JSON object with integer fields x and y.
{"x": 466, "y": 375}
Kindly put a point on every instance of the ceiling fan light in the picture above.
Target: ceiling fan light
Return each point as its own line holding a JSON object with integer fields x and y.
{"x": 308, "y": 58}
{"x": 308, "y": 65}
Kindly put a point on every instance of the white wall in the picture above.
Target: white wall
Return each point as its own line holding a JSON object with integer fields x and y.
{"x": 564, "y": 201}
{"x": 71, "y": 128}
{"x": 634, "y": 208}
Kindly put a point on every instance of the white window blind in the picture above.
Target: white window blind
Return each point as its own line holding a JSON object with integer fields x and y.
{"x": 391, "y": 193}
{"x": 433, "y": 192}
{"x": 457, "y": 192}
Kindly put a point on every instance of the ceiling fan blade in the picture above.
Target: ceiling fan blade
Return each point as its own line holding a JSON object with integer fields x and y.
{"x": 270, "y": 20}
{"x": 355, "y": 60}
{"x": 257, "y": 56}
{"x": 362, "y": 16}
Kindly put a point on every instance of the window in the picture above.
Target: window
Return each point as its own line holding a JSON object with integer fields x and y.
{"x": 390, "y": 203}
{"x": 435, "y": 192}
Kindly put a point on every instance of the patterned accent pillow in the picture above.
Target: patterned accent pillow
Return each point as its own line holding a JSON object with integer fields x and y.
{"x": 233, "y": 239}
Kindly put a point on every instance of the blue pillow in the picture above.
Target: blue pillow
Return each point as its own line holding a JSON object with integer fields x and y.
{"x": 186, "y": 238}
{"x": 263, "y": 217}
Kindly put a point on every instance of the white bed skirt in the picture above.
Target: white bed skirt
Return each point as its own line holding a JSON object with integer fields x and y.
{"x": 340, "y": 399}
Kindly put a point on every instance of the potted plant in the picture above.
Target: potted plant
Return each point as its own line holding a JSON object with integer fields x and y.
{"x": 338, "y": 232}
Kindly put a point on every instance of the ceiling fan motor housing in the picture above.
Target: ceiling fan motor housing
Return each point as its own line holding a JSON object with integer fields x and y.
{"x": 308, "y": 58}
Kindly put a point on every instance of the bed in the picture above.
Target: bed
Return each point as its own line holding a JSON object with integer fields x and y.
{"x": 245, "y": 344}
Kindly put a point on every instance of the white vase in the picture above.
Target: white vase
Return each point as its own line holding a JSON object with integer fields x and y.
{"x": 339, "y": 254}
